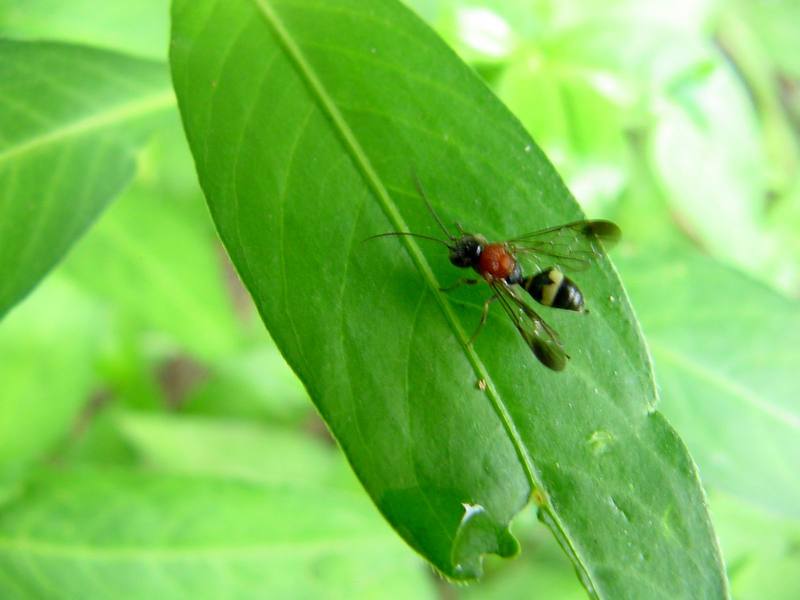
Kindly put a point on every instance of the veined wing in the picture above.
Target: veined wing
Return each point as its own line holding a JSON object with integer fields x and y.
{"x": 540, "y": 337}
{"x": 572, "y": 245}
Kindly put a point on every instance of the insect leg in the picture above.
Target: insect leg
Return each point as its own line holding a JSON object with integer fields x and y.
{"x": 484, "y": 316}
{"x": 458, "y": 284}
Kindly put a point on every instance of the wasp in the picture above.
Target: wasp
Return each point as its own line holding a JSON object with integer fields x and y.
{"x": 572, "y": 246}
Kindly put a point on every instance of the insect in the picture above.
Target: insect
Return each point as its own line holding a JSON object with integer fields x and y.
{"x": 572, "y": 246}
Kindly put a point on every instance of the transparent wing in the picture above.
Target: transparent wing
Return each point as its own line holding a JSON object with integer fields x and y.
{"x": 572, "y": 245}
{"x": 540, "y": 337}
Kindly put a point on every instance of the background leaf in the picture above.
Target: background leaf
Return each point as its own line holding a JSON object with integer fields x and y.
{"x": 127, "y": 534}
{"x": 725, "y": 371}
{"x": 148, "y": 238}
{"x": 234, "y": 448}
{"x": 138, "y": 28}
{"x": 65, "y": 151}
{"x": 102, "y": 365}
{"x": 720, "y": 197}
{"x": 297, "y": 109}
{"x": 776, "y": 24}
{"x": 256, "y": 383}
{"x": 45, "y": 382}
{"x": 579, "y": 124}
{"x": 762, "y": 549}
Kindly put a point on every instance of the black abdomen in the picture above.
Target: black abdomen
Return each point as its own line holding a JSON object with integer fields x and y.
{"x": 552, "y": 288}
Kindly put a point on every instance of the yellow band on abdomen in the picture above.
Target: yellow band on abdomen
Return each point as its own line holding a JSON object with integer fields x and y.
{"x": 550, "y": 290}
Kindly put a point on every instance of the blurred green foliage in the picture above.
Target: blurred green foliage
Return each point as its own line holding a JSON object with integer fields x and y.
{"x": 141, "y": 360}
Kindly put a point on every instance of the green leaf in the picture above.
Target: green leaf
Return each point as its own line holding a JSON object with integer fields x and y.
{"x": 536, "y": 577}
{"x": 255, "y": 383}
{"x": 147, "y": 260}
{"x": 748, "y": 52}
{"x": 307, "y": 121}
{"x": 122, "y": 534}
{"x": 577, "y": 116}
{"x": 487, "y": 33}
{"x": 48, "y": 346}
{"x": 98, "y": 441}
{"x": 72, "y": 119}
{"x": 762, "y": 550}
{"x": 166, "y": 170}
{"x": 708, "y": 154}
{"x": 653, "y": 53}
{"x": 139, "y": 28}
{"x": 235, "y": 449}
{"x": 727, "y": 371}
{"x": 542, "y": 571}
{"x": 777, "y": 24}
{"x": 784, "y": 222}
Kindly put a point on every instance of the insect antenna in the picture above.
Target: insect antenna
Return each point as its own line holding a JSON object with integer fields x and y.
{"x": 421, "y": 191}
{"x": 409, "y": 234}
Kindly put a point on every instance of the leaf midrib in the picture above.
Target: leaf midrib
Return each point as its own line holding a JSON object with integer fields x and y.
{"x": 96, "y": 121}
{"x": 393, "y": 214}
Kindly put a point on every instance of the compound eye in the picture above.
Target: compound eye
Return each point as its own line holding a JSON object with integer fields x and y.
{"x": 475, "y": 250}
{"x": 459, "y": 260}
{"x": 465, "y": 253}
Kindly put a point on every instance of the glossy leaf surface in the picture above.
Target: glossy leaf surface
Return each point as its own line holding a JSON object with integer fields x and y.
{"x": 307, "y": 121}
{"x": 71, "y": 121}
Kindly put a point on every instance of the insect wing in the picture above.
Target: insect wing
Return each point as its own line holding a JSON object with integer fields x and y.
{"x": 540, "y": 337}
{"x": 573, "y": 245}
